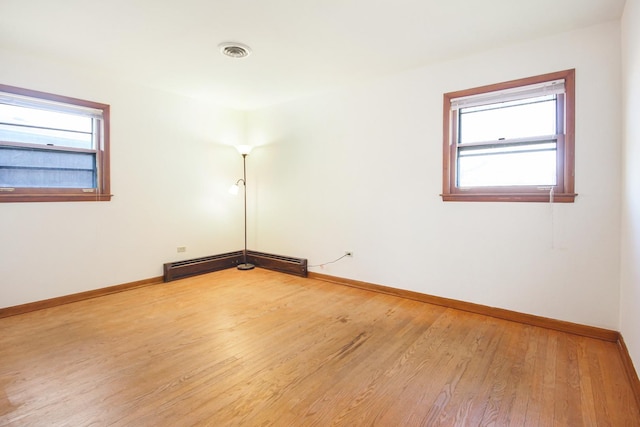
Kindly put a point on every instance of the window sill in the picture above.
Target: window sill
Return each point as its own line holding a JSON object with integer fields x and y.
{"x": 508, "y": 197}
{"x": 34, "y": 197}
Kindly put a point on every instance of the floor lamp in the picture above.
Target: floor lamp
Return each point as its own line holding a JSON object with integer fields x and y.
{"x": 244, "y": 151}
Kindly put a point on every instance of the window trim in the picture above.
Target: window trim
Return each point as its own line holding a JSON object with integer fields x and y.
{"x": 563, "y": 191}
{"x": 102, "y": 192}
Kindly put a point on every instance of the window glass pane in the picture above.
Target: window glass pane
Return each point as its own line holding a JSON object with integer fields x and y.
{"x": 508, "y": 120}
{"x": 531, "y": 164}
{"x": 23, "y": 168}
{"x": 35, "y": 126}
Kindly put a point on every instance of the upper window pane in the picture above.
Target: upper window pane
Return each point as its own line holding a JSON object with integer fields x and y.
{"x": 52, "y": 128}
{"x": 524, "y": 118}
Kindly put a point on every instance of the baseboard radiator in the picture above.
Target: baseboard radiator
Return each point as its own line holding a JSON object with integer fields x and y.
{"x": 193, "y": 267}
{"x": 209, "y": 264}
{"x": 283, "y": 264}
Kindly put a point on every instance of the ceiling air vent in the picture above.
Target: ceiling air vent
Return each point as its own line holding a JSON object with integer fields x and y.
{"x": 234, "y": 50}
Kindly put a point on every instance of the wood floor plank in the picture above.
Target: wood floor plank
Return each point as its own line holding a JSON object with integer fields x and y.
{"x": 260, "y": 348}
{"x": 533, "y": 386}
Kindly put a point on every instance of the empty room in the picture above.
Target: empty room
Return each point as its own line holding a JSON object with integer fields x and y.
{"x": 314, "y": 213}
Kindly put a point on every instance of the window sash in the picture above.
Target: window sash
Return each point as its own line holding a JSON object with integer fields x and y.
{"x": 494, "y": 165}
{"x": 509, "y": 120}
{"x": 45, "y": 136}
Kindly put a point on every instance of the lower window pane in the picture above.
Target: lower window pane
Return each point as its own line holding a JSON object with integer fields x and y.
{"x": 46, "y": 178}
{"x": 507, "y": 169}
{"x": 34, "y": 168}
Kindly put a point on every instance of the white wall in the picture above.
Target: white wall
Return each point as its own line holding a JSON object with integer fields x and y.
{"x": 630, "y": 277}
{"x": 360, "y": 169}
{"x": 170, "y": 171}
{"x": 355, "y": 169}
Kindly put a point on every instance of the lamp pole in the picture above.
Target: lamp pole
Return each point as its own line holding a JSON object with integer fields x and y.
{"x": 245, "y": 265}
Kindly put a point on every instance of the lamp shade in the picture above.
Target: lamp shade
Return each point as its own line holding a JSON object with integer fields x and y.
{"x": 234, "y": 189}
{"x": 244, "y": 149}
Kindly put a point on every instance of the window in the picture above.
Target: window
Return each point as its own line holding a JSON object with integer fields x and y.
{"x": 52, "y": 148}
{"x": 511, "y": 141}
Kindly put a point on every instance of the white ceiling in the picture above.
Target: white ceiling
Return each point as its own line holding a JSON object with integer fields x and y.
{"x": 299, "y": 46}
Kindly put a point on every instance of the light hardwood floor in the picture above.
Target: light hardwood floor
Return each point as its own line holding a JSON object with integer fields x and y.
{"x": 259, "y": 348}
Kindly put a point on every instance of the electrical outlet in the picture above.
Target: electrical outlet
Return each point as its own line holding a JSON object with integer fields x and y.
{"x": 348, "y": 253}
{"x": 182, "y": 249}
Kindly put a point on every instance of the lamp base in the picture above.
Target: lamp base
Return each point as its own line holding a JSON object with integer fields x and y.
{"x": 246, "y": 266}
